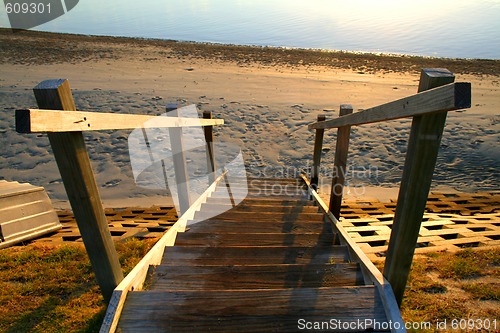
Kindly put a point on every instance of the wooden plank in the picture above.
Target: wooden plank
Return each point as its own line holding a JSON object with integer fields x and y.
{"x": 237, "y": 277}
{"x": 454, "y": 96}
{"x": 421, "y": 156}
{"x": 282, "y": 202}
{"x": 76, "y": 171}
{"x": 42, "y": 121}
{"x": 276, "y": 190}
{"x": 265, "y": 195}
{"x": 21, "y": 228}
{"x": 370, "y": 270}
{"x": 242, "y": 216}
{"x": 179, "y": 160}
{"x": 340, "y": 163}
{"x": 192, "y": 238}
{"x": 249, "y": 311}
{"x": 28, "y": 208}
{"x": 318, "y": 150}
{"x": 34, "y": 233}
{"x": 251, "y": 186}
{"x": 275, "y": 180}
{"x": 252, "y": 255}
{"x": 253, "y": 227}
{"x": 8, "y": 189}
{"x": 244, "y": 207}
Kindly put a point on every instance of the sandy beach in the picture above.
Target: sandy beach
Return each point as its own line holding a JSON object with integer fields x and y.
{"x": 267, "y": 97}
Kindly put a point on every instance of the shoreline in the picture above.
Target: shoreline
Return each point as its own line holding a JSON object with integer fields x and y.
{"x": 265, "y": 55}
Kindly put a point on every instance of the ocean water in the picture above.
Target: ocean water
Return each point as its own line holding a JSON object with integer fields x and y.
{"x": 442, "y": 28}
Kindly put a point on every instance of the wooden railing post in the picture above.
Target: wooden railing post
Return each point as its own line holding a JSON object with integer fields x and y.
{"x": 179, "y": 159}
{"x": 318, "y": 148}
{"x": 423, "y": 146}
{"x": 74, "y": 165}
{"x": 340, "y": 163}
{"x": 209, "y": 138}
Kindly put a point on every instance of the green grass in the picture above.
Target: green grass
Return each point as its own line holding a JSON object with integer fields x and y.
{"x": 53, "y": 289}
{"x": 447, "y": 286}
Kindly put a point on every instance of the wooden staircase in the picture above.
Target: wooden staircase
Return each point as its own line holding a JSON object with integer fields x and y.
{"x": 269, "y": 264}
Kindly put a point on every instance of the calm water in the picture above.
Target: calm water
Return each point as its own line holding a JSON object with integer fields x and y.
{"x": 444, "y": 28}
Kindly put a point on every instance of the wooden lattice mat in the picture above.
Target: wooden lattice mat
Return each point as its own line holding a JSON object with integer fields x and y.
{"x": 452, "y": 221}
{"x": 123, "y": 223}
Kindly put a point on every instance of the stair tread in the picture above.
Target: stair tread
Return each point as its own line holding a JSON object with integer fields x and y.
{"x": 236, "y": 277}
{"x": 251, "y": 255}
{"x": 254, "y": 239}
{"x": 243, "y": 207}
{"x": 249, "y": 195}
{"x": 263, "y": 310}
{"x": 263, "y": 216}
{"x": 293, "y": 227}
{"x": 284, "y": 202}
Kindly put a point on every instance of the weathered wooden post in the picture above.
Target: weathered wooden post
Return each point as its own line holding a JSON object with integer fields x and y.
{"x": 74, "y": 165}
{"x": 209, "y": 138}
{"x": 340, "y": 163}
{"x": 318, "y": 148}
{"x": 179, "y": 159}
{"x": 423, "y": 146}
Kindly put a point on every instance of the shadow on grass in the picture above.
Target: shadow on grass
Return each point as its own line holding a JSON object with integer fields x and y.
{"x": 94, "y": 324}
{"x": 46, "y": 317}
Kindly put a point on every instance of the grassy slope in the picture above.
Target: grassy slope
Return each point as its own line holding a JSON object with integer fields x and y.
{"x": 454, "y": 286}
{"x": 52, "y": 289}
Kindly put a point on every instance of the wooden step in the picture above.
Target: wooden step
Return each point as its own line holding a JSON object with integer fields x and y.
{"x": 263, "y": 183}
{"x": 243, "y": 207}
{"x": 264, "y": 180}
{"x": 170, "y": 278}
{"x": 294, "y": 227}
{"x": 272, "y": 310}
{"x": 254, "y": 239}
{"x": 276, "y": 188}
{"x": 253, "y": 255}
{"x": 298, "y": 195}
{"x": 283, "y": 202}
{"x": 261, "y": 216}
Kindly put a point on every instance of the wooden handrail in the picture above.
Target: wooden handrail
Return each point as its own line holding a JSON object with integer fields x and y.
{"x": 57, "y": 116}
{"x": 371, "y": 272}
{"x": 454, "y": 96}
{"x": 436, "y": 95}
{"x": 51, "y": 121}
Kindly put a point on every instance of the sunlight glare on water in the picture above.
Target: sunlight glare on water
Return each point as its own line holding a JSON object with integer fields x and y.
{"x": 445, "y": 28}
